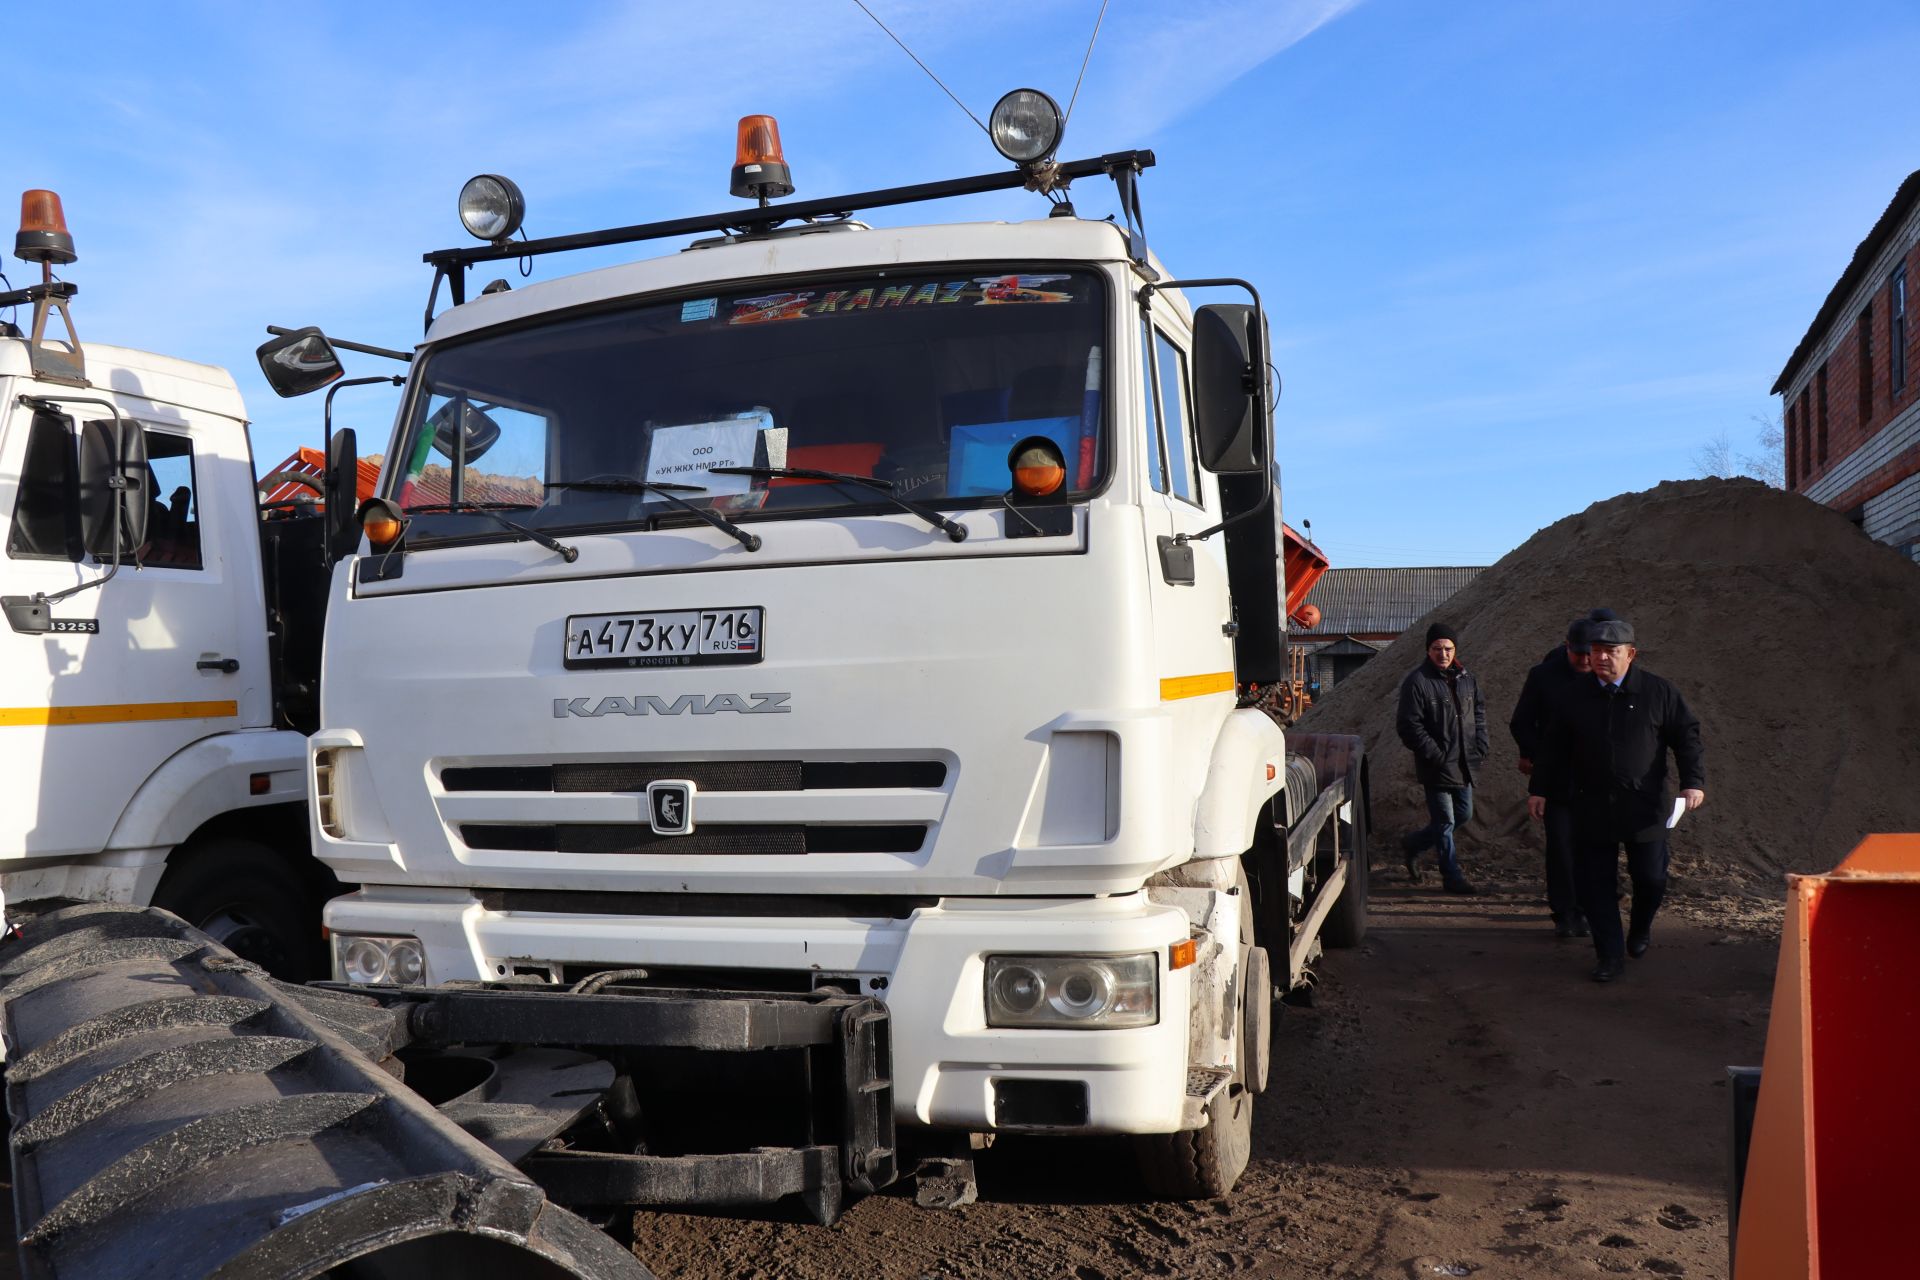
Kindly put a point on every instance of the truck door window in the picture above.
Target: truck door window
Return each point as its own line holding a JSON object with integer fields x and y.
{"x": 173, "y": 521}
{"x": 1156, "y": 457}
{"x": 1171, "y": 368}
{"x": 46, "y": 511}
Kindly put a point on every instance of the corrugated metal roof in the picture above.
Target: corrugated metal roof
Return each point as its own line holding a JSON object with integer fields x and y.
{"x": 1353, "y": 601}
{"x": 1863, "y": 257}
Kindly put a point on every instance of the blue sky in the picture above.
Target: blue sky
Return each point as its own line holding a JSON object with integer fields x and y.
{"x": 1520, "y": 255}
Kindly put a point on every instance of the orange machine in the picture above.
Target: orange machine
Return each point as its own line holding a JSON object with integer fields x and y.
{"x": 1829, "y": 1180}
{"x": 1303, "y": 564}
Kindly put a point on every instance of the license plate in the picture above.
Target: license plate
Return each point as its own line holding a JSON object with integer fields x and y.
{"x": 668, "y": 638}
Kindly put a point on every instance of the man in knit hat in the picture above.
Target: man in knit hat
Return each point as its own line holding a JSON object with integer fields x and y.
{"x": 1607, "y": 753}
{"x": 1548, "y": 684}
{"x": 1443, "y": 721}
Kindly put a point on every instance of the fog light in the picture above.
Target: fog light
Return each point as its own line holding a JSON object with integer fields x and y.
{"x": 376, "y": 961}
{"x": 1094, "y": 992}
{"x": 1025, "y": 126}
{"x": 491, "y": 207}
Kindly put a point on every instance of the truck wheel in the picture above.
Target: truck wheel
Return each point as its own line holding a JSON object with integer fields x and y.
{"x": 1347, "y": 923}
{"x": 1203, "y": 1164}
{"x": 249, "y": 900}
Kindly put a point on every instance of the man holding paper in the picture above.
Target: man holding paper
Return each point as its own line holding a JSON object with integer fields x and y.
{"x": 1607, "y": 753}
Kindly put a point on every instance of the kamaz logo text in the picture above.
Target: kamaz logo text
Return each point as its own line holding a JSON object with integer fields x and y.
{"x": 698, "y": 704}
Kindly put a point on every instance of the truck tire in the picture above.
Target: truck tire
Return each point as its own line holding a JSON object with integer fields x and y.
{"x": 1347, "y": 923}
{"x": 250, "y": 901}
{"x": 1204, "y": 1164}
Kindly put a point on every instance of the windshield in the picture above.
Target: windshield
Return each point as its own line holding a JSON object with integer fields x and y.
{"x": 923, "y": 380}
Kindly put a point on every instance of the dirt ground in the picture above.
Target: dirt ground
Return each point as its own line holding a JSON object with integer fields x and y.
{"x": 1460, "y": 1100}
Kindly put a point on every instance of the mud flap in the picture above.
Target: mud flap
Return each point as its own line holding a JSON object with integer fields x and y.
{"x": 178, "y": 1113}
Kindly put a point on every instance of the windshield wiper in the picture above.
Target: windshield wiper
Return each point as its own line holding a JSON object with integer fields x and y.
{"x": 492, "y": 510}
{"x": 884, "y": 488}
{"x": 669, "y": 491}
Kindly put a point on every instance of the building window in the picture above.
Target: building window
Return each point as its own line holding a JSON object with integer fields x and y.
{"x": 1806, "y": 438}
{"x": 1897, "y": 331}
{"x": 1793, "y": 433}
{"x": 1866, "y": 366}
{"x": 1820, "y": 416}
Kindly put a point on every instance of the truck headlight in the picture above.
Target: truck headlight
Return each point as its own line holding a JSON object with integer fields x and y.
{"x": 1095, "y": 992}
{"x": 373, "y": 961}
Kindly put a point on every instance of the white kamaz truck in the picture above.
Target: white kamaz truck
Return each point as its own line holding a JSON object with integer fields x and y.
{"x": 158, "y": 666}
{"x": 815, "y": 695}
{"x": 818, "y": 607}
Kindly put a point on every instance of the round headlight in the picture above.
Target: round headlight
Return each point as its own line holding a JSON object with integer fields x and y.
{"x": 406, "y": 963}
{"x": 491, "y": 207}
{"x": 1083, "y": 991}
{"x": 364, "y": 961}
{"x": 1018, "y": 989}
{"x": 1025, "y": 126}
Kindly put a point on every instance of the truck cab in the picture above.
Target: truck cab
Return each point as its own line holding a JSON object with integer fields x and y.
{"x": 830, "y": 607}
{"x": 143, "y": 733}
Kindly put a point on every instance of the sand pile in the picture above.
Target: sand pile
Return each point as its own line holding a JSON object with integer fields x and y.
{"x": 1795, "y": 639}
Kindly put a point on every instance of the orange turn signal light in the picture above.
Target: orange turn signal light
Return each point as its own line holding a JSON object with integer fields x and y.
{"x": 381, "y": 523}
{"x": 43, "y": 235}
{"x": 1182, "y": 954}
{"x": 1038, "y": 469}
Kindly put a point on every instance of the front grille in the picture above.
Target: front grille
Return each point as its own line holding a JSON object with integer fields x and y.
{"x": 708, "y": 775}
{"x": 729, "y": 838}
{"x": 774, "y": 906}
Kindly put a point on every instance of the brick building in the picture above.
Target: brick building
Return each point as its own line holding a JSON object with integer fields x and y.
{"x": 1362, "y": 611}
{"x": 1851, "y": 390}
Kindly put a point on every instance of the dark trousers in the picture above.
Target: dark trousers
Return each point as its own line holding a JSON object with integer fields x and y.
{"x": 1562, "y": 900}
{"x": 1447, "y": 808}
{"x": 1596, "y": 876}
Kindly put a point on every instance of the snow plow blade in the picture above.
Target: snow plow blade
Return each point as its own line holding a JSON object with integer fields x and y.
{"x": 175, "y": 1112}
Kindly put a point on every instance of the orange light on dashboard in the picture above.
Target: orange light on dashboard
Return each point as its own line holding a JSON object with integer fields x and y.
{"x": 43, "y": 235}
{"x": 1182, "y": 954}
{"x": 1038, "y": 469}
{"x": 759, "y": 165}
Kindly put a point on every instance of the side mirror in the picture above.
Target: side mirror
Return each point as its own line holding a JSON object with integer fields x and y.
{"x": 115, "y": 490}
{"x": 299, "y": 362}
{"x": 1230, "y": 388}
{"x": 480, "y": 430}
{"x": 342, "y": 485}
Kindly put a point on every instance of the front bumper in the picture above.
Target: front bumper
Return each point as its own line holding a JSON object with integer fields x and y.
{"x": 950, "y": 1069}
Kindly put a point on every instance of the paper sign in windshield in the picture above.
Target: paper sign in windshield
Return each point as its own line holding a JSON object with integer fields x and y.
{"x": 683, "y": 454}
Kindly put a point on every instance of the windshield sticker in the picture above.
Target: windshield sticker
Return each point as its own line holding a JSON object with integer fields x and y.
{"x": 699, "y": 309}
{"x": 683, "y": 454}
{"x": 981, "y": 291}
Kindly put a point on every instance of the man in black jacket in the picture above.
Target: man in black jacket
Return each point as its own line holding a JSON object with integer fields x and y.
{"x": 1608, "y": 752}
{"x": 1547, "y": 687}
{"x": 1443, "y": 721}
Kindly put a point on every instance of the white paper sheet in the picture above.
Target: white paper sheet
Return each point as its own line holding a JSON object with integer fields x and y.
{"x": 1679, "y": 807}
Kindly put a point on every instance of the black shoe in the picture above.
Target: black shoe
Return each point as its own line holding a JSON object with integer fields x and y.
{"x": 1608, "y": 970}
{"x": 1460, "y": 886}
{"x": 1411, "y": 851}
{"x": 1638, "y": 941}
{"x": 1580, "y": 926}
{"x": 1563, "y": 927}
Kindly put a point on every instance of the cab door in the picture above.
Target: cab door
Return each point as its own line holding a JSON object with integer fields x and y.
{"x": 169, "y": 651}
{"x": 1192, "y": 606}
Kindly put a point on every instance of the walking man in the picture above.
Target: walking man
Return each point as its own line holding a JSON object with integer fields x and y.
{"x": 1547, "y": 688}
{"x": 1608, "y": 754}
{"x": 1443, "y": 721}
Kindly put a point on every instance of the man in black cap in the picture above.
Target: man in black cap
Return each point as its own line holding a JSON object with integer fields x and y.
{"x": 1547, "y": 687}
{"x": 1607, "y": 752}
{"x": 1443, "y": 721}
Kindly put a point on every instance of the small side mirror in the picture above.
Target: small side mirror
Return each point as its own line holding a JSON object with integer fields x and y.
{"x": 480, "y": 430}
{"x": 1230, "y": 388}
{"x": 342, "y": 493}
{"x": 115, "y": 489}
{"x": 299, "y": 362}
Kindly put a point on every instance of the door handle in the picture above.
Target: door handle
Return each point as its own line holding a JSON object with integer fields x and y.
{"x": 226, "y": 665}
